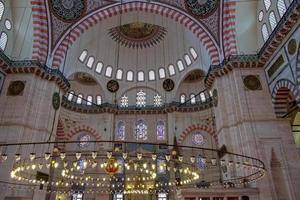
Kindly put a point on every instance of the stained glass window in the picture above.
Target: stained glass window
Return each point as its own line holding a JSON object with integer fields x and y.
{"x": 83, "y": 55}
{"x": 3, "y": 41}
{"x": 182, "y": 98}
{"x": 119, "y": 74}
{"x": 171, "y": 70}
{"x": 90, "y": 62}
{"x": 118, "y": 196}
{"x": 193, "y": 99}
{"x": 265, "y": 32}
{"x": 120, "y": 134}
{"x": 1, "y": 10}
{"x": 129, "y": 76}
{"x": 79, "y": 99}
{"x": 84, "y": 141}
{"x": 89, "y": 101}
{"x": 281, "y": 7}
{"x": 71, "y": 95}
{"x": 141, "y": 99}
{"x": 272, "y": 20}
{"x": 99, "y": 100}
{"x": 194, "y": 53}
{"x": 108, "y": 71}
{"x": 124, "y": 101}
{"x": 141, "y": 76}
{"x": 200, "y": 162}
{"x": 7, "y": 24}
{"x": 180, "y": 65}
{"x": 160, "y": 130}
{"x": 99, "y": 67}
{"x": 202, "y": 96}
{"x": 151, "y": 75}
{"x": 162, "y": 73}
{"x": 162, "y": 196}
{"x": 267, "y": 4}
{"x": 198, "y": 139}
{"x": 141, "y": 132}
{"x": 157, "y": 100}
{"x": 187, "y": 59}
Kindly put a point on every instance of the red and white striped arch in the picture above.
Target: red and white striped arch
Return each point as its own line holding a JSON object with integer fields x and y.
{"x": 153, "y": 7}
{"x": 284, "y": 92}
{"x": 229, "y": 32}
{"x": 40, "y": 31}
{"x": 194, "y": 127}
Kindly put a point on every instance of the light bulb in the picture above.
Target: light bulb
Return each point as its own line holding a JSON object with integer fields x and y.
{"x": 4, "y": 157}
{"x": 47, "y": 155}
{"x": 193, "y": 159}
{"x": 109, "y": 154}
{"x": 94, "y": 154}
{"x": 125, "y": 155}
{"x": 17, "y": 157}
{"x": 139, "y": 156}
{"x": 62, "y": 155}
{"x": 32, "y": 156}
{"x": 78, "y": 155}
{"x": 154, "y": 156}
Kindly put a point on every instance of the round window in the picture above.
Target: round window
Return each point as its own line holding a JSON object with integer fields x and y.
{"x": 84, "y": 141}
{"x": 198, "y": 139}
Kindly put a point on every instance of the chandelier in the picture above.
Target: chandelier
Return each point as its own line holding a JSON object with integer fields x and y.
{"x": 131, "y": 167}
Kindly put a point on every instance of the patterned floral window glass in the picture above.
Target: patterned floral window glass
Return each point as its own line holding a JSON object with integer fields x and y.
{"x": 84, "y": 141}
{"x": 141, "y": 132}
{"x": 124, "y": 101}
{"x": 160, "y": 130}
{"x": 120, "y": 131}
{"x": 198, "y": 139}
{"x": 200, "y": 163}
{"x": 141, "y": 99}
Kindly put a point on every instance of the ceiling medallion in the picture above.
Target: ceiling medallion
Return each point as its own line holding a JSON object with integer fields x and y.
{"x": 137, "y": 34}
{"x": 168, "y": 85}
{"x": 112, "y": 86}
{"x": 201, "y": 8}
{"x": 68, "y": 10}
{"x": 252, "y": 82}
{"x": 16, "y": 88}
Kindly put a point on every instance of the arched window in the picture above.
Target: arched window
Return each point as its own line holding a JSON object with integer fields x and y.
{"x": 141, "y": 99}
{"x": 79, "y": 99}
{"x": 265, "y": 32}
{"x": 151, "y": 75}
{"x": 3, "y": 41}
{"x": 118, "y": 196}
{"x": 124, "y": 101}
{"x": 193, "y": 98}
{"x": 162, "y": 73}
{"x": 160, "y": 130}
{"x": 1, "y": 10}
{"x": 202, "y": 96}
{"x": 182, "y": 98}
{"x": 8, "y": 24}
{"x": 141, "y": 130}
{"x": 180, "y": 65}
{"x": 260, "y": 15}
{"x": 120, "y": 134}
{"x": 187, "y": 59}
{"x": 108, "y": 71}
{"x": 171, "y": 70}
{"x": 89, "y": 100}
{"x": 119, "y": 74}
{"x": 99, "y": 67}
{"x": 70, "y": 96}
{"x": 129, "y": 76}
{"x": 99, "y": 100}
{"x": 272, "y": 20}
{"x": 83, "y": 55}
{"x": 194, "y": 53}
{"x": 157, "y": 100}
{"x": 281, "y": 7}
{"x": 267, "y": 4}
{"x": 141, "y": 76}
{"x": 162, "y": 196}
{"x": 90, "y": 62}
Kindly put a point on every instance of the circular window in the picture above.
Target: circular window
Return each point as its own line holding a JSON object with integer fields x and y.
{"x": 260, "y": 16}
{"x": 198, "y": 139}
{"x": 292, "y": 46}
{"x": 7, "y": 24}
{"x": 84, "y": 141}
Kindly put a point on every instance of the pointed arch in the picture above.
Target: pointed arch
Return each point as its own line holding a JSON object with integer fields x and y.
{"x": 284, "y": 93}
{"x": 165, "y": 10}
{"x": 194, "y": 127}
